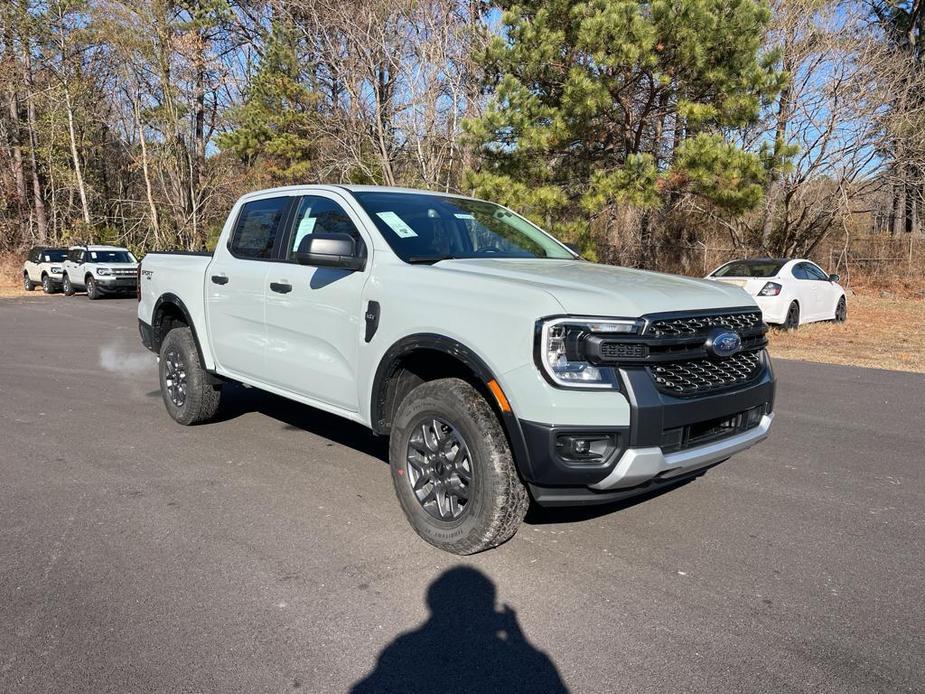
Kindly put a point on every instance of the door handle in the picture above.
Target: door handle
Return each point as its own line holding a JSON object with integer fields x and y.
{"x": 219, "y": 279}
{"x": 280, "y": 287}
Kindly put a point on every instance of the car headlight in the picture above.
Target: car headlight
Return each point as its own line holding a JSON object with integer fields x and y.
{"x": 560, "y": 351}
{"x": 55, "y": 270}
{"x": 103, "y": 271}
{"x": 770, "y": 289}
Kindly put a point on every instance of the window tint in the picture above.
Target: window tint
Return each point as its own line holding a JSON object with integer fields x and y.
{"x": 815, "y": 273}
{"x": 258, "y": 225}
{"x": 799, "y": 271}
{"x": 54, "y": 255}
{"x": 750, "y": 268}
{"x": 320, "y": 215}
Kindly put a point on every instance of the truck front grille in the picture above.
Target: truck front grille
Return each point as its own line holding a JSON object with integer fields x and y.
{"x": 701, "y": 324}
{"x": 698, "y": 376}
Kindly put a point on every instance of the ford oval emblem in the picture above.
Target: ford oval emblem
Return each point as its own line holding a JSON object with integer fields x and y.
{"x": 723, "y": 343}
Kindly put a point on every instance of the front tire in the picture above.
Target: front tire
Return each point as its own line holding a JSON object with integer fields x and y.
{"x": 93, "y": 292}
{"x": 185, "y": 387}
{"x": 841, "y": 311}
{"x": 27, "y": 284}
{"x": 66, "y": 286}
{"x": 452, "y": 468}
{"x": 47, "y": 285}
{"x": 792, "y": 322}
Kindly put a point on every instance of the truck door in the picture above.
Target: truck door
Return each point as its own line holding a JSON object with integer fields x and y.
{"x": 234, "y": 287}
{"x": 315, "y": 315}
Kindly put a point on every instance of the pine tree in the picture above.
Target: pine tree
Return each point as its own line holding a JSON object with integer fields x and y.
{"x": 608, "y": 103}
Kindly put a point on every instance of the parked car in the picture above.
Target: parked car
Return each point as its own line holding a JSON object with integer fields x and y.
{"x": 500, "y": 364}
{"x": 100, "y": 270}
{"x": 789, "y": 292}
{"x": 43, "y": 266}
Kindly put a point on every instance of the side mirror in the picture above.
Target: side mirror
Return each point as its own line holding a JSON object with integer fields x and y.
{"x": 335, "y": 249}
{"x": 833, "y": 278}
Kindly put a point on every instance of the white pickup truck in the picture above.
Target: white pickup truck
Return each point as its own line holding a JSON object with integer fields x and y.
{"x": 501, "y": 365}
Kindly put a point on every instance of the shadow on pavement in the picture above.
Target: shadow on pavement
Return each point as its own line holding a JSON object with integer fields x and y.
{"x": 238, "y": 400}
{"x": 465, "y": 646}
{"x": 577, "y": 514}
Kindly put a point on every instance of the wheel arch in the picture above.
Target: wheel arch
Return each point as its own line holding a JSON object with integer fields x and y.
{"x": 170, "y": 311}
{"x": 421, "y": 357}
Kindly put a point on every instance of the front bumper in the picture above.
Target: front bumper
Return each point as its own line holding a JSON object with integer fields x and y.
{"x": 117, "y": 284}
{"x": 668, "y": 439}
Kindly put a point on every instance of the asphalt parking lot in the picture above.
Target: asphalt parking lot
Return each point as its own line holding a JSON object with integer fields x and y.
{"x": 266, "y": 552}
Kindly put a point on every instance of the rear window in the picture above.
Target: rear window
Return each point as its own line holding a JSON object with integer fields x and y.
{"x": 258, "y": 226}
{"x": 750, "y": 268}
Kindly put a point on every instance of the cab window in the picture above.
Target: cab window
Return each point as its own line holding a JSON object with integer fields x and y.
{"x": 320, "y": 215}
{"x": 258, "y": 225}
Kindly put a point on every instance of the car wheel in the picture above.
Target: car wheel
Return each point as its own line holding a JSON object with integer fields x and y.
{"x": 93, "y": 291}
{"x": 188, "y": 395}
{"x": 452, "y": 468}
{"x": 841, "y": 311}
{"x": 27, "y": 284}
{"x": 792, "y": 322}
{"x": 66, "y": 286}
{"x": 47, "y": 285}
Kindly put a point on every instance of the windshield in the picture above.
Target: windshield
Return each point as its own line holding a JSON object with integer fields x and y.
{"x": 55, "y": 255}
{"x": 427, "y": 228}
{"x": 750, "y": 268}
{"x": 112, "y": 257}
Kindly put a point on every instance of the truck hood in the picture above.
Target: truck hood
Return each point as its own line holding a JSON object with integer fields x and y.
{"x": 584, "y": 288}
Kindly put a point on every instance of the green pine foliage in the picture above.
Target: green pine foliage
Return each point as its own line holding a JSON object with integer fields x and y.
{"x": 277, "y": 126}
{"x": 604, "y": 103}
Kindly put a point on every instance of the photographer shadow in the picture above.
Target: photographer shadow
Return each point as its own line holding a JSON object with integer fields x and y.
{"x": 466, "y": 645}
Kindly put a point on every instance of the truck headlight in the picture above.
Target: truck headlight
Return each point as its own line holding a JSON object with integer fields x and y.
{"x": 103, "y": 271}
{"x": 55, "y": 270}
{"x": 559, "y": 351}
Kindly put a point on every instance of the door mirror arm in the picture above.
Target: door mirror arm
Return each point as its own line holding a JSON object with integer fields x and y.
{"x": 335, "y": 249}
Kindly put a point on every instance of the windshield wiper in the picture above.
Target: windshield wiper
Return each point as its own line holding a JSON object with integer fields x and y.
{"x": 429, "y": 259}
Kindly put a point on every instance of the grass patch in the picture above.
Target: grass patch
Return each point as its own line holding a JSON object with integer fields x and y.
{"x": 881, "y": 332}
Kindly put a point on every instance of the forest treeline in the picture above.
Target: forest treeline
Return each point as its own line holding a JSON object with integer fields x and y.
{"x": 639, "y": 130}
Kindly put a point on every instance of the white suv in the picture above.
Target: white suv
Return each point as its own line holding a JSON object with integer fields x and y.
{"x": 43, "y": 266}
{"x": 99, "y": 270}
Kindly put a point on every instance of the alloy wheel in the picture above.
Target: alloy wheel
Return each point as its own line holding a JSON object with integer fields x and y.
{"x": 175, "y": 378}
{"x": 439, "y": 469}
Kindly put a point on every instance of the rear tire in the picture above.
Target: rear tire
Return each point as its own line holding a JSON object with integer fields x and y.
{"x": 495, "y": 501}
{"x": 792, "y": 322}
{"x": 47, "y": 285}
{"x": 27, "y": 284}
{"x": 66, "y": 286}
{"x": 185, "y": 387}
{"x": 93, "y": 292}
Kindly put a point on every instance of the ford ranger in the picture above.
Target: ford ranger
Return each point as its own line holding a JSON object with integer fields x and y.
{"x": 501, "y": 365}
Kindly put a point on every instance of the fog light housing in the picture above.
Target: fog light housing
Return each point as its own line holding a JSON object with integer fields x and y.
{"x": 582, "y": 447}
{"x": 753, "y": 416}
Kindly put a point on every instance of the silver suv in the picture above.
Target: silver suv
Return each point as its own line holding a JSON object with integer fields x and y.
{"x": 99, "y": 270}
{"x": 43, "y": 266}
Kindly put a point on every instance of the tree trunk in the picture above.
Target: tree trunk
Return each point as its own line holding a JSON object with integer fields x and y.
{"x": 899, "y": 206}
{"x": 75, "y": 156}
{"x": 38, "y": 200}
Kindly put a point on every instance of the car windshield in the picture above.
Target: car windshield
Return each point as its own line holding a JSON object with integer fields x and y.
{"x": 112, "y": 257}
{"x": 54, "y": 255}
{"x": 427, "y": 228}
{"x": 750, "y": 268}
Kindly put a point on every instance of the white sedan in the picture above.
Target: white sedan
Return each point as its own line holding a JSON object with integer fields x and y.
{"x": 789, "y": 292}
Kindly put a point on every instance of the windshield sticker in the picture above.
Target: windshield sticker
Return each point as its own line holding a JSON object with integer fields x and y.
{"x": 397, "y": 224}
{"x": 93, "y": 254}
{"x": 464, "y": 215}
